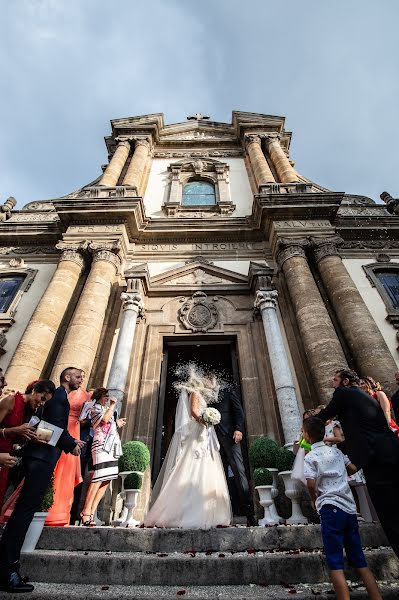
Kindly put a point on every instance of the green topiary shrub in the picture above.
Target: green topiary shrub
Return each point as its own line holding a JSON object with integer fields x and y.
{"x": 134, "y": 481}
{"x": 285, "y": 460}
{"x": 135, "y": 457}
{"x": 263, "y": 453}
{"x": 48, "y": 499}
{"x": 262, "y": 477}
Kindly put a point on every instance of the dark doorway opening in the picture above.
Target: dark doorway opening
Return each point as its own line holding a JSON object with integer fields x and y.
{"x": 217, "y": 355}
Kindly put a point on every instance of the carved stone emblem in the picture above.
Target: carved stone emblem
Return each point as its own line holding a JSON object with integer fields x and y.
{"x": 198, "y": 313}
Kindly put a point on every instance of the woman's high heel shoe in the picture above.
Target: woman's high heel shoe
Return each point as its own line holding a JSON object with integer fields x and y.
{"x": 89, "y": 523}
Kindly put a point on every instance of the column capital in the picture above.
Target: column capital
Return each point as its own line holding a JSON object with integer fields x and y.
{"x": 143, "y": 141}
{"x": 266, "y": 299}
{"x": 287, "y": 248}
{"x": 107, "y": 251}
{"x": 252, "y": 138}
{"x": 323, "y": 247}
{"x": 73, "y": 251}
{"x": 272, "y": 137}
{"x": 123, "y": 141}
{"x": 133, "y": 301}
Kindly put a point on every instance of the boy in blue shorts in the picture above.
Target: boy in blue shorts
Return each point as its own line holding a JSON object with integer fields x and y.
{"x": 326, "y": 470}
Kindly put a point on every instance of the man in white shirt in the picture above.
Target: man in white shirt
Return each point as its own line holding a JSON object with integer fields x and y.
{"x": 325, "y": 472}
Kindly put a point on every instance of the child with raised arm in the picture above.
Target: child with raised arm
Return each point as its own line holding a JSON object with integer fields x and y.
{"x": 325, "y": 472}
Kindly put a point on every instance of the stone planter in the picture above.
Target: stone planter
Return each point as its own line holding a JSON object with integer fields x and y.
{"x": 273, "y": 508}
{"x": 131, "y": 498}
{"x": 293, "y": 492}
{"x": 122, "y": 518}
{"x": 34, "y": 532}
{"x": 266, "y": 500}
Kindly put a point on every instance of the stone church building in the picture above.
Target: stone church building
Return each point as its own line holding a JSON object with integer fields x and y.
{"x": 201, "y": 241}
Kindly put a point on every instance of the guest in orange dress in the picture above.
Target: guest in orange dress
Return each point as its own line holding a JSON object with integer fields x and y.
{"x": 374, "y": 389}
{"x": 67, "y": 473}
{"x": 14, "y": 411}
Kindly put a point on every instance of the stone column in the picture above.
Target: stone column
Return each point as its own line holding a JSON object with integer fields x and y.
{"x": 136, "y": 169}
{"x": 366, "y": 343}
{"x": 34, "y": 347}
{"x": 132, "y": 308}
{"x": 81, "y": 340}
{"x": 114, "y": 169}
{"x": 322, "y": 347}
{"x": 286, "y": 173}
{"x": 260, "y": 167}
{"x": 291, "y": 420}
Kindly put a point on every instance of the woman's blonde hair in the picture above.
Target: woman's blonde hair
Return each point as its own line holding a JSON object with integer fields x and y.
{"x": 375, "y": 386}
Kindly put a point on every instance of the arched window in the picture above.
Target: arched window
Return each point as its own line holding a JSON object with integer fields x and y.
{"x": 198, "y": 193}
{"x": 9, "y": 286}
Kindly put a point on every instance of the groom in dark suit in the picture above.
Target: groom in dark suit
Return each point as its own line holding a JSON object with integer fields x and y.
{"x": 230, "y": 432}
{"x": 39, "y": 461}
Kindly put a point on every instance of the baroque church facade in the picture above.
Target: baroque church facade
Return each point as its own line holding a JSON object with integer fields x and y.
{"x": 201, "y": 241}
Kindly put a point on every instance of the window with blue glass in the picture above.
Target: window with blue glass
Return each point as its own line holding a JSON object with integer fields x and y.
{"x": 198, "y": 193}
{"x": 9, "y": 286}
{"x": 390, "y": 281}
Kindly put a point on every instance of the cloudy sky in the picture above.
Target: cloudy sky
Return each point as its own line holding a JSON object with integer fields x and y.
{"x": 69, "y": 66}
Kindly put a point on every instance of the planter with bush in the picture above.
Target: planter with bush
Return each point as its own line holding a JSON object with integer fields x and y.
{"x": 293, "y": 489}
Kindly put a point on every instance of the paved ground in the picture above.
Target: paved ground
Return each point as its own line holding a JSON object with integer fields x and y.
{"x": 250, "y": 592}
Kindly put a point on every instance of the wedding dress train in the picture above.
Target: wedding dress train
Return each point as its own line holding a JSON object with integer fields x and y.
{"x": 191, "y": 489}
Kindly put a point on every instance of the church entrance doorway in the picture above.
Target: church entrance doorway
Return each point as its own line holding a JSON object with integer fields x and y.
{"x": 214, "y": 354}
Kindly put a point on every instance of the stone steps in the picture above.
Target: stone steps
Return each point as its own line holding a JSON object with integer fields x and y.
{"x": 200, "y": 569}
{"x": 236, "y": 539}
{"x": 117, "y": 592}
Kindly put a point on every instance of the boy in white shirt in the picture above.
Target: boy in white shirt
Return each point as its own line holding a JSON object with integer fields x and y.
{"x": 325, "y": 472}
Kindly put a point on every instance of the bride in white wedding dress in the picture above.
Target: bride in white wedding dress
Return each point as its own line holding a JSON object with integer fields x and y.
{"x": 191, "y": 490}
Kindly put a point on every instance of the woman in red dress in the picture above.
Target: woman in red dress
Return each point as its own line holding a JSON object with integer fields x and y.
{"x": 14, "y": 409}
{"x": 67, "y": 473}
{"x": 374, "y": 389}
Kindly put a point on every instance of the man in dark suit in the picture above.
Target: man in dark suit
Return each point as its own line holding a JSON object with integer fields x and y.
{"x": 370, "y": 445}
{"x": 230, "y": 432}
{"x": 39, "y": 461}
{"x": 395, "y": 400}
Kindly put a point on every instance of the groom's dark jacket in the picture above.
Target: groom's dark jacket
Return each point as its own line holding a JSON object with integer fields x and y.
{"x": 232, "y": 414}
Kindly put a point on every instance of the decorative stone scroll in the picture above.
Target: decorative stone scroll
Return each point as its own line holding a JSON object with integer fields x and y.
{"x": 198, "y": 313}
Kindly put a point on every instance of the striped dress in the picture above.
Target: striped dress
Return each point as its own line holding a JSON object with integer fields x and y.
{"x": 106, "y": 447}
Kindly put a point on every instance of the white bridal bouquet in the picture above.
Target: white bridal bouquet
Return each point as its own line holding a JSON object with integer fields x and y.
{"x": 211, "y": 416}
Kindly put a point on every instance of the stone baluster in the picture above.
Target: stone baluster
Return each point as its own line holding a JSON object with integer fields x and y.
{"x": 113, "y": 171}
{"x": 132, "y": 308}
{"x": 34, "y": 347}
{"x": 322, "y": 347}
{"x": 259, "y": 164}
{"x": 286, "y": 173}
{"x": 137, "y": 167}
{"x": 365, "y": 341}
{"x": 81, "y": 339}
{"x": 266, "y": 302}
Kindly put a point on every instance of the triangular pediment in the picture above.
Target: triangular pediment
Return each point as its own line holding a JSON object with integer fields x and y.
{"x": 199, "y": 274}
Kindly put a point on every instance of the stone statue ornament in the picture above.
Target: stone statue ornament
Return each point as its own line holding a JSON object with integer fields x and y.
{"x": 392, "y": 203}
{"x": 6, "y": 208}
